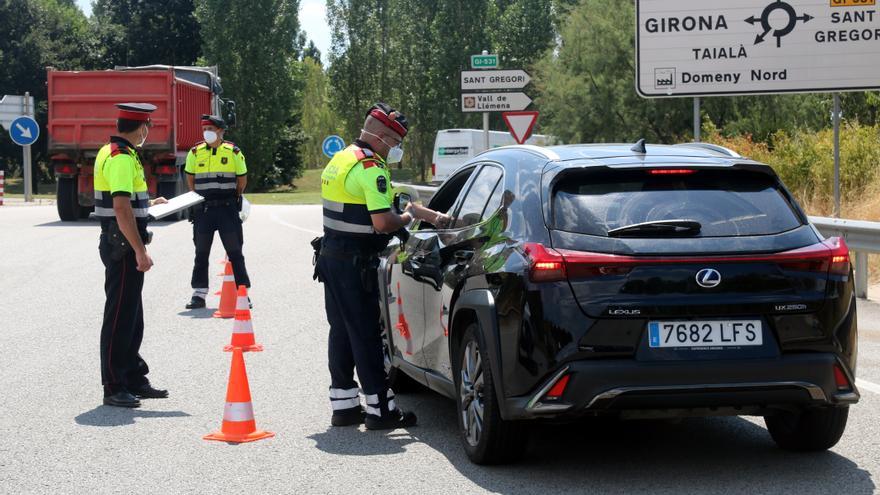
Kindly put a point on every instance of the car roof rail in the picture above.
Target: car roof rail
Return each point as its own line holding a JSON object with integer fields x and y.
{"x": 711, "y": 147}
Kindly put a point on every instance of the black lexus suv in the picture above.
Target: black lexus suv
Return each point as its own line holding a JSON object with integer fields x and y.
{"x": 630, "y": 281}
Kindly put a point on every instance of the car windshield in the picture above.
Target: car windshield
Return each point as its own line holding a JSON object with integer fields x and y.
{"x": 723, "y": 202}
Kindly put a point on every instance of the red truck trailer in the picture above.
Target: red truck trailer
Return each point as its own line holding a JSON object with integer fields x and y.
{"x": 82, "y": 117}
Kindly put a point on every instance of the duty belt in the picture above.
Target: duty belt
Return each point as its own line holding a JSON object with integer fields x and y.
{"x": 217, "y": 203}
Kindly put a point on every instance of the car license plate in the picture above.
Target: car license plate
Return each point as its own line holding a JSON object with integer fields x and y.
{"x": 714, "y": 333}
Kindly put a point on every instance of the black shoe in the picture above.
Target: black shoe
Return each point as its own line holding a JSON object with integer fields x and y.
{"x": 147, "y": 391}
{"x": 196, "y": 303}
{"x": 395, "y": 419}
{"x": 122, "y": 399}
{"x": 350, "y": 417}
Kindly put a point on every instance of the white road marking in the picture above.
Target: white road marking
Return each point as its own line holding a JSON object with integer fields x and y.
{"x": 279, "y": 221}
{"x": 866, "y": 385}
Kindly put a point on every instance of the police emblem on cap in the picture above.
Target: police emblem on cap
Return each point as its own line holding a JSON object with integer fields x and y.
{"x": 382, "y": 184}
{"x": 224, "y": 160}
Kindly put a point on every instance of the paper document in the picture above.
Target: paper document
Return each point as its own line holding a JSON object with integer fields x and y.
{"x": 174, "y": 205}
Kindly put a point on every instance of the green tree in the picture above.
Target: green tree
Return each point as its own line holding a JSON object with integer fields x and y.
{"x": 147, "y": 32}
{"x": 317, "y": 116}
{"x": 39, "y": 34}
{"x": 254, "y": 44}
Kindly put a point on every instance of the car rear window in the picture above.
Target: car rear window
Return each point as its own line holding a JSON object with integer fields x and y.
{"x": 725, "y": 202}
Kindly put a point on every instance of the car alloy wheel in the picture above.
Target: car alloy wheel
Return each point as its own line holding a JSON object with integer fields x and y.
{"x": 471, "y": 392}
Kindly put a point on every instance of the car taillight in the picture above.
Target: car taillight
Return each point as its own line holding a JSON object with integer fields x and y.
{"x": 552, "y": 265}
{"x": 547, "y": 264}
{"x": 434, "y": 170}
{"x": 558, "y": 388}
{"x": 840, "y": 379}
{"x": 671, "y": 171}
{"x": 839, "y": 255}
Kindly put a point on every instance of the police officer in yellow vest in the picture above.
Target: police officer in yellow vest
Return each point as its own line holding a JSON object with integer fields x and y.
{"x": 358, "y": 221}
{"x": 216, "y": 169}
{"x": 121, "y": 202}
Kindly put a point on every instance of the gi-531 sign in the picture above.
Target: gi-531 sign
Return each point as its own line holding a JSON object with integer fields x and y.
{"x": 756, "y": 46}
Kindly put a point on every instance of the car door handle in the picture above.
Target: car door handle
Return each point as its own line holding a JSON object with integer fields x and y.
{"x": 462, "y": 256}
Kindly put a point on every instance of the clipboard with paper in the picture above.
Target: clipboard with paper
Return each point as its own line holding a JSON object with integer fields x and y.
{"x": 174, "y": 205}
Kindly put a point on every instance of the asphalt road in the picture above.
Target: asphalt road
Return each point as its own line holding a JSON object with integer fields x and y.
{"x": 55, "y": 437}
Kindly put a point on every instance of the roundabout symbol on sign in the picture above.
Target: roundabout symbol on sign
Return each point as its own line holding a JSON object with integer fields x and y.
{"x": 793, "y": 19}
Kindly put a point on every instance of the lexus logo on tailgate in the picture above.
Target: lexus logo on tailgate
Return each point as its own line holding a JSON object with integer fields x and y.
{"x": 708, "y": 278}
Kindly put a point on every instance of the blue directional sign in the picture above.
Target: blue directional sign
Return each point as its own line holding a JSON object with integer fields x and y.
{"x": 24, "y": 131}
{"x": 332, "y": 145}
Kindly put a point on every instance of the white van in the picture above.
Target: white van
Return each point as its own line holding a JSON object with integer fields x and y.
{"x": 453, "y": 147}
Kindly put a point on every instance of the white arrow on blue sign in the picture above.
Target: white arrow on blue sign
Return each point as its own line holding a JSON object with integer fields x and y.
{"x": 24, "y": 131}
{"x": 332, "y": 145}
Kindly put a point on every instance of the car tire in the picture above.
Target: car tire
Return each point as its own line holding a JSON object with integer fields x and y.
{"x": 66, "y": 199}
{"x": 809, "y": 430}
{"x": 490, "y": 439}
{"x": 398, "y": 380}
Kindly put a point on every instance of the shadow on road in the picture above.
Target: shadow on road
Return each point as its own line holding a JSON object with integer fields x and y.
{"x": 117, "y": 416}
{"x": 198, "y": 314}
{"x": 724, "y": 455}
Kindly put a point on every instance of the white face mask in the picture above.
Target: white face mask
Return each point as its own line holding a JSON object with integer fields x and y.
{"x": 395, "y": 154}
{"x": 210, "y": 136}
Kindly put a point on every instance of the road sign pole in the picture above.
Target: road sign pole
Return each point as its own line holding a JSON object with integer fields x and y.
{"x": 697, "y": 119}
{"x": 835, "y": 117}
{"x": 26, "y": 157}
{"x": 486, "y": 130}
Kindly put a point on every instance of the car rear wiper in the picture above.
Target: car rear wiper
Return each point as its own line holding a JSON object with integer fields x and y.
{"x": 674, "y": 227}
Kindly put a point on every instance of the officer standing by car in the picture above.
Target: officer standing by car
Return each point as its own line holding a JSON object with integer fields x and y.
{"x": 358, "y": 223}
{"x": 121, "y": 202}
{"x": 216, "y": 170}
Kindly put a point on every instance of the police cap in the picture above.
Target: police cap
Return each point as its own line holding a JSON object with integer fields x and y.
{"x": 139, "y": 112}
{"x": 214, "y": 121}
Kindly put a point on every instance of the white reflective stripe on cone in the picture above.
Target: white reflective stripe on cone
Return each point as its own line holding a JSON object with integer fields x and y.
{"x": 241, "y": 302}
{"x": 342, "y": 393}
{"x": 374, "y": 411}
{"x": 238, "y": 411}
{"x": 229, "y": 278}
{"x": 243, "y": 326}
{"x": 338, "y": 404}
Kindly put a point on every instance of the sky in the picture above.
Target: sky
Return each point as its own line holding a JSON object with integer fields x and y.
{"x": 311, "y": 19}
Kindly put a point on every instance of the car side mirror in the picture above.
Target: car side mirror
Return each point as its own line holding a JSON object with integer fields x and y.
{"x": 401, "y": 201}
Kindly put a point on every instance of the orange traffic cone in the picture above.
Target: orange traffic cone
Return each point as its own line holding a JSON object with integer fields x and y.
{"x": 243, "y": 328}
{"x": 226, "y": 271}
{"x": 227, "y": 295}
{"x": 239, "y": 425}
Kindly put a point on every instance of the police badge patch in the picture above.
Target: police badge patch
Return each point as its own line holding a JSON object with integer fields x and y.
{"x": 224, "y": 160}
{"x": 382, "y": 184}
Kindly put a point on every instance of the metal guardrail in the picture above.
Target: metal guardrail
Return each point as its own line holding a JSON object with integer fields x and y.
{"x": 862, "y": 237}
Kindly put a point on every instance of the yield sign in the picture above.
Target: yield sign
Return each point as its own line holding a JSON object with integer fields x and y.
{"x": 520, "y": 124}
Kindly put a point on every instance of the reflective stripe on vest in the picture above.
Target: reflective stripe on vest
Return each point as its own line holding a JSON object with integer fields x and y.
{"x": 140, "y": 200}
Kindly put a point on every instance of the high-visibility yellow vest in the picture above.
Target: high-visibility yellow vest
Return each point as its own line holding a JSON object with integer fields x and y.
{"x": 354, "y": 185}
{"x": 215, "y": 169}
{"x": 118, "y": 171}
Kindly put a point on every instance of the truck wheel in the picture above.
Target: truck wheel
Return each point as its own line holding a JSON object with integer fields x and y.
{"x": 66, "y": 199}
{"x": 168, "y": 190}
{"x": 487, "y": 438}
{"x": 809, "y": 430}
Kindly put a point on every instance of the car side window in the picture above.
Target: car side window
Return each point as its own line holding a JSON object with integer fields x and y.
{"x": 474, "y": 204}
{"x": 446, "y": 197}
